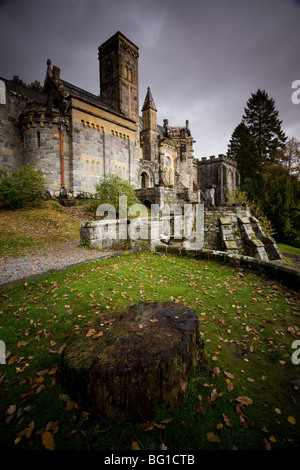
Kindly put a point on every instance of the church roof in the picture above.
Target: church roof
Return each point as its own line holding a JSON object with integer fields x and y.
{"x": 17, "y": 87}
{"x": 87, "y": 97}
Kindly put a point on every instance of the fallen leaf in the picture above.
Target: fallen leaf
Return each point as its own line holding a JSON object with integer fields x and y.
{"x": 153, "y": 320}
{"x": 245, "y": 400}
{"x": 53, "y": 371}
{"x": 272, "y": 439}
{"x": 291, "y": 420}
{"x": 148, "y": 426}
{"x": 135, "y": 446}
{"x": 228, "y": 374}
{"x": 277, "y": 410}
{"x": 227, "y": 421}
{"x": 97, "y": 335}
{"x": 211, "y": 437}
{"x": 90, "y": 333}
{"x": 48, "y": 441}
{"x": 28, "y": 431}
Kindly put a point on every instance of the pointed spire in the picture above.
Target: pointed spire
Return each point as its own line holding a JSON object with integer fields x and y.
{"x": 149, "y": 101}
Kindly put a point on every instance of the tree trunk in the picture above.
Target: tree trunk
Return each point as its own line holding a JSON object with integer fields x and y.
{"x": 122, "y": 369}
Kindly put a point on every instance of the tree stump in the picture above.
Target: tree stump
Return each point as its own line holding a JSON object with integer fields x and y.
{"x": 123, "y": 368}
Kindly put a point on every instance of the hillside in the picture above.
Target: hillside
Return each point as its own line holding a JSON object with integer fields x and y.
{"x": 40, "y": 226}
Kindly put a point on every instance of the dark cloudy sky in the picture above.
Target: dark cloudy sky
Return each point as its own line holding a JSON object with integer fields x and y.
{"x": 201, "y": 58}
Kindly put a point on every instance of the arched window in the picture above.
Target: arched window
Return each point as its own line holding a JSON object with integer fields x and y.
{"x": 145, "y": 180}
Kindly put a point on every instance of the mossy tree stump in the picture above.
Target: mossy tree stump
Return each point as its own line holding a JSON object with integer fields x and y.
{"x": 123, "y": 368}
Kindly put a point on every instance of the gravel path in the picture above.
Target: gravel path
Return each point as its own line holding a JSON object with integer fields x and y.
{"x": 46, "y": 260}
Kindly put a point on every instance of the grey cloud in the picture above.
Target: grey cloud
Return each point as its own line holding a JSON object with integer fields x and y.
{"x": 201, "y": 59}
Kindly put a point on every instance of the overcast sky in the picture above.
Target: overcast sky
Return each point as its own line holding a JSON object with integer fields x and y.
{"x": 201, "y": 58}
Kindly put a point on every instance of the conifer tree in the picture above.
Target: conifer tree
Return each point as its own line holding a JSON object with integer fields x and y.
{"x": 261, "y": 119}
{"x": 241, "y": 149}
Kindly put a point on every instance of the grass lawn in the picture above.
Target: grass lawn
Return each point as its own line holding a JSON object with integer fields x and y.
{"x": 244, "y": 397}
{"x": 291, "y": 254}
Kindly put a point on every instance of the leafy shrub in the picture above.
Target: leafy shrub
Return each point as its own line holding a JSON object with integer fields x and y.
{"x": 111, "y": 188}
{"x": 236, "y": 196}
{"x": 19, "y": 187}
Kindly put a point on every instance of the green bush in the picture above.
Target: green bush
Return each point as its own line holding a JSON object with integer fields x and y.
{"x": 111, "y": 188}
{"x": 19, "y": 187}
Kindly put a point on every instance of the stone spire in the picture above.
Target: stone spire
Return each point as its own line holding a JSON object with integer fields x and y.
{"x": 149, "y": 101}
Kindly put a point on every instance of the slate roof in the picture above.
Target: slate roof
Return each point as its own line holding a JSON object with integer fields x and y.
{"x": 21, "y": 89}
{"x": 87, "y": 97}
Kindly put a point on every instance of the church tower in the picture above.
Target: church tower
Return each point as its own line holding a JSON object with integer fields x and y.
{"x": 118, "y": 58}
{"x": 149, "y": 133}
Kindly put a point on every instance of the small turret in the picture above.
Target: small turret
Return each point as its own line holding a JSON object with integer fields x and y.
{"x": 149, "y": 113}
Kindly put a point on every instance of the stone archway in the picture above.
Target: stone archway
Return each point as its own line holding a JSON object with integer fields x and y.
{"x": 146, "y": 178}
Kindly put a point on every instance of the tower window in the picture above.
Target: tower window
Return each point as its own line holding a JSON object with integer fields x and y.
{"x": 38, "y": 138}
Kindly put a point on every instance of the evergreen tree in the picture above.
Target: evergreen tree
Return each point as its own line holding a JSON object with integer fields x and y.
{"x": 269, "y": 166}
{"x": 261, "y": 119}
{"x": 241, "y": 149}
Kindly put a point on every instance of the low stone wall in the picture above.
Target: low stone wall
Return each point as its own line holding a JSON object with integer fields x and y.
{"x": 120, "y": 234}
{"x": 280, "y": 272}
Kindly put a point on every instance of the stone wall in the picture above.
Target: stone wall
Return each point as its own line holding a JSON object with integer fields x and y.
{"x": 11, "y": 144}
{"x": 222, "y": 230}
{"x": 97, "y": 152}
{"x": 41, "y": 137}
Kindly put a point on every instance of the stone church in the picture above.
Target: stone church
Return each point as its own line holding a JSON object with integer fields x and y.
{"x": 75, "y": 137}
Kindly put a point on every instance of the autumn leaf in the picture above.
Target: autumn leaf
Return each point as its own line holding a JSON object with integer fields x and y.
{"x": 245, "y": 400}
{"x": 148, "y": 426}
{"x": 97, "y": 335}
{"x": 291, "y": 420}
{"x": 227, "y": 421}
{"x": 228, "y": 374}
{"x": 28, "y": 431}
{"x": 48, "y": 440}
{"x": 211, "y": 437}
{"x": 90, "y": 333}
{"x": 135, "y": 446}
